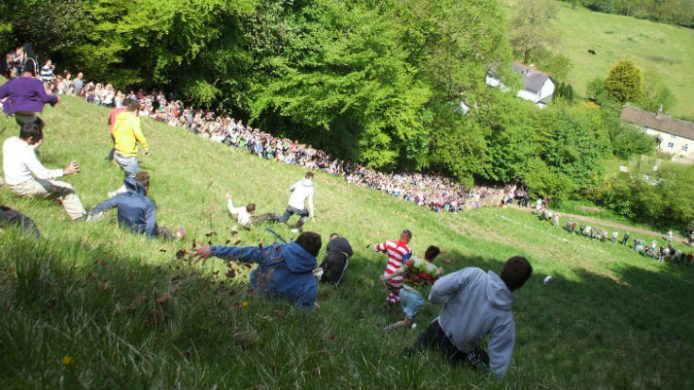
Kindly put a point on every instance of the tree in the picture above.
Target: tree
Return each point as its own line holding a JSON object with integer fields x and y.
{"x": 656, "y": 94}
{"x": 624, "y": 82}
{"x": 532, "y": 29}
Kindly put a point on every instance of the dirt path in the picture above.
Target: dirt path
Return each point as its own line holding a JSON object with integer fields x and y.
{"x": 601, "y": 222}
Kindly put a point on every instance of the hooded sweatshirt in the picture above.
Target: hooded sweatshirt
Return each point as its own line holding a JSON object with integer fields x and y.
{"x": 136, "y": 210}
{"x": 476, "y": 304}
{"x": 127, "y": 134}
{"x": 25, "y": 94}
{"x": 284, "y": 271}
{"x": 300, "y": 191}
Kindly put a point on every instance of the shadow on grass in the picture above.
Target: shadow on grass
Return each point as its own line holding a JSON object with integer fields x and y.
{"x": 87, "y": 317}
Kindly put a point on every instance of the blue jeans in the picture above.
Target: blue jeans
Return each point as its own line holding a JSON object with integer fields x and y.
{"x": 292, "y": 211}
{"x": 129, "y": 165}
{"x": 411, "y": 302}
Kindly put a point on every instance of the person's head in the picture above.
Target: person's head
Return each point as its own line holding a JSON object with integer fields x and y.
{"x": 126, "y": 101}
{"x": 516, "y": 272}
{"x": 406, "y": 236}
{"x": 32, "y": 133}
{"x": 143, "y": 178}
{"x": 309, "y": 176}
{"x": 250, "y": 208}
{"x": 311, "y": 242}
{"x": 80, "y": 75}
{"x": 133, "y": 105}
{"x": 334, "y": 236}
{"x": 48, "y": 62}
{"x": 431, "y": 253}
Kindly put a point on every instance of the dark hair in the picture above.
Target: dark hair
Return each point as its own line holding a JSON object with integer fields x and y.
{"x": 133, "y": 105}
{"x": 432, "y": 252}
{"x": 33, "y": 130}
{"x": 126, "y": 102}
{"x": 309, "y": 175}
{"x": 250, "y": 207}
{"x": 334, "y": 235}
{"x": 142, "y": 177}
{"x": 516, "y": 272}
{"x": 406, "y": 233}
{"x": 30, "y": 66}
{"x": 311, "y": 242}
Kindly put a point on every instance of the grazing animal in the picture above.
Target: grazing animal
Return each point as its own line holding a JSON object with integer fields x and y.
{"x": 591, "y": 51}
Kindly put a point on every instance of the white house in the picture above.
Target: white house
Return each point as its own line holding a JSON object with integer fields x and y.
{"x": 538, "y": 87}
{"x": 673, "y": 136}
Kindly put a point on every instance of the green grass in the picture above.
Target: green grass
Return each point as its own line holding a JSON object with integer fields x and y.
{"x": 130, "y": 315}
{"x": 665, "y": 48}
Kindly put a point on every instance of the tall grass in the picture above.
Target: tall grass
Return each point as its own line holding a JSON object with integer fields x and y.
{"x": 93, "y": 306}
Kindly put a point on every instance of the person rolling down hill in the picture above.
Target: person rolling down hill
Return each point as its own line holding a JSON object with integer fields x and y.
{"x": 302, "y": 193}
{"x": 338, "y": 252}
{"x": 476, "y": 304}
{"x": 244, "y": 215}
{"x": 284, "y": 271}
{"x": 398, "y": 252}
{"x": 136, "y": 210}
{"x": 27, "y": 177}
{"x": 419, "y": 275}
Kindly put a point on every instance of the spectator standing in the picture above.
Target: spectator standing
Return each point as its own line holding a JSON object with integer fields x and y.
{"x": 78, "y": 83}
{"x": 47, "y": 70}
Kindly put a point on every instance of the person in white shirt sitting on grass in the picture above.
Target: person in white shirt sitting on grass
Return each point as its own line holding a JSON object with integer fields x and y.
{"x": 26, "y": 176}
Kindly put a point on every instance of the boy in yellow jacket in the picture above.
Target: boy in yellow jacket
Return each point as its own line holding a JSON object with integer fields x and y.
{"x": 127, "y": 134}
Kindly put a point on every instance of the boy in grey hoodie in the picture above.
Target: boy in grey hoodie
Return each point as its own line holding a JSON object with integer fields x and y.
{"x": 476, "y": 304}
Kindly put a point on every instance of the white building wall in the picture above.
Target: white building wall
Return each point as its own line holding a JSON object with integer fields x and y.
{"x": 674, "y": 145}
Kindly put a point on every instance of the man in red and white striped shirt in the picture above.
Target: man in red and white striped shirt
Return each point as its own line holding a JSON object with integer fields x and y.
{"x": 398, "y": 253}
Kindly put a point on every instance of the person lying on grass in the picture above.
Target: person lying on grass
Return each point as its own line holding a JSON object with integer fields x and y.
{"x": 476, "y": 304}
{"x": 244, "y": 215}
{"x": 136, "y": 210}
{"x": 284, "y": 271}
{"x": 419, "y": 275}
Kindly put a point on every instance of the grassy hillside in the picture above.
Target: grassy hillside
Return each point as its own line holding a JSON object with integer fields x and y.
{"x": 93, "y": 306}
{"x": 666, "y": 48}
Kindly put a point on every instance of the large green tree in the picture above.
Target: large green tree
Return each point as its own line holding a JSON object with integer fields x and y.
{"x": 624, "y": 81}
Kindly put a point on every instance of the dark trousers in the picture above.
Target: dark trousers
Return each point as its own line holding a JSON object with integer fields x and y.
{"x": 293, "y": 211}
{"x": 9, "y": 217}
{"x": 435, "y": 338}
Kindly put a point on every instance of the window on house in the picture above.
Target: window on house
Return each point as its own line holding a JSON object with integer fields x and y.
{"x": 685, "y": 147}
{"x": 671, "y": 145}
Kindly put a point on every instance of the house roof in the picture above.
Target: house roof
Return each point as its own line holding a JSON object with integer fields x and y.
{"x": 657, "y": 121}
{"x": 533, "y": 79}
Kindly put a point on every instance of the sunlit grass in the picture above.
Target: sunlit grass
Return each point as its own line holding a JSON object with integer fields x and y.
{"x": 127, "y": 314}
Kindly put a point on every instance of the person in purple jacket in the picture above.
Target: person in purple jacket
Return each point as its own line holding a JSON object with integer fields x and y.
{"x": 25, "y": 96}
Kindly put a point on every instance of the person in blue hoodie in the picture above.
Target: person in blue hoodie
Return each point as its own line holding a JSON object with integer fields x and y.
{"x": 284, "y": 271}
{"x": 476, "y": 304}
{"x": 136, "y": 210}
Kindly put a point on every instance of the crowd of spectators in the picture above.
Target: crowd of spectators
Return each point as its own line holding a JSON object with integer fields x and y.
{"x": 433, "y": 191}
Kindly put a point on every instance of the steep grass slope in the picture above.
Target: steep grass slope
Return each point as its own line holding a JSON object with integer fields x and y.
{"x": 92, "y": 306}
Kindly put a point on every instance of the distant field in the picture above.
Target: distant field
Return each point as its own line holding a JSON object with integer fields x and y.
{"x": 667, "y": 48}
